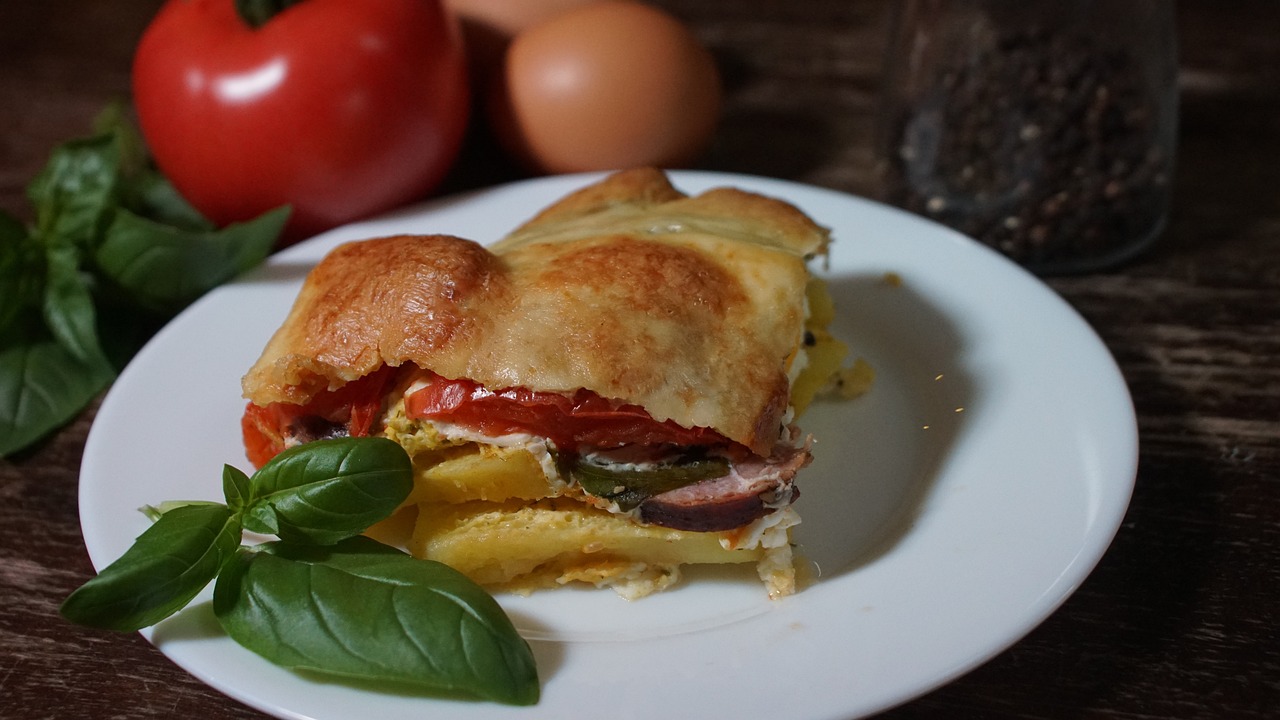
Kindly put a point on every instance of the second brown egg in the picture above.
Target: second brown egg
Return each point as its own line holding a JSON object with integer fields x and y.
{"x": 612, "y": 84}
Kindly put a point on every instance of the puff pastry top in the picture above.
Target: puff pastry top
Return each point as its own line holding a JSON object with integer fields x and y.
{"x": 690, "y": 307}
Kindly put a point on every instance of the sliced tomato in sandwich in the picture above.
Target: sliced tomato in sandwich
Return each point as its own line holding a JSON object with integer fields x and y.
{"x": 583, "y": 419}
{"x": 571, "y": 422}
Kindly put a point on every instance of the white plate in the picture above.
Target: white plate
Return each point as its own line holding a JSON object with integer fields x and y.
{"x": 948, "y": 512}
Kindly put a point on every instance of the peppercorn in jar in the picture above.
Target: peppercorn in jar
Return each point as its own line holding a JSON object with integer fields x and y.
{"x": 1043, "y": 129}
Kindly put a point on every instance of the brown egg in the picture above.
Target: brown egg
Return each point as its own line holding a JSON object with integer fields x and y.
{"x": 613, "y": 84}
{"x": 489, "y": 25}
{"x": 508, "y": 17}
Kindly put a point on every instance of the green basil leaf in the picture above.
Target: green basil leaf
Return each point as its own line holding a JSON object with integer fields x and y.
{"x": 75, "y": 193}
{"x": 42, "y": 385}
{"x": 164, "y": 268}
{"x": 324, "y": 491}
{"x": 21, "y": 270}
{"x": 153, "y": 196}
{"x": 143, "y": 189}
{"x": 68, "y": 303}
{"x": 167, "y": 566}
{"x": 131, "y": 149}
{"x": 364, "y": 611}
{"x": 236, "y": 487}
{"x": 12, "y": 231}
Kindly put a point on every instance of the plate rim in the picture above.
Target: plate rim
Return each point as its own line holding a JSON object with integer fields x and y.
{"x": 783, "y": 188}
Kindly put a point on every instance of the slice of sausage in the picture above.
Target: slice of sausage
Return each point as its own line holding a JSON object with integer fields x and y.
{"x": 752, "y": 489}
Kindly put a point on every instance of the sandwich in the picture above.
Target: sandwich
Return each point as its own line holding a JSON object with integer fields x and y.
{"x": 607, "y": 394}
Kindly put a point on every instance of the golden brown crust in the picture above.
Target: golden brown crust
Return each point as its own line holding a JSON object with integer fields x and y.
{"x": 627, "y": 288}
{"x": 639, "y": 187}
{"x": 376, "y": 302}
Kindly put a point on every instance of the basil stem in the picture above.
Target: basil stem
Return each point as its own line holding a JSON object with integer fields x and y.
{"x": 168, "y": 565}
{"x": 365, "y": 611}
{"x": 327, "y": 490}
{"x": 153, "y": 512}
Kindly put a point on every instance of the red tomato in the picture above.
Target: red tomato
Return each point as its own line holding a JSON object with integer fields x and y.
{"x": 340, "y": 108}
{"x": 584, "y": 419}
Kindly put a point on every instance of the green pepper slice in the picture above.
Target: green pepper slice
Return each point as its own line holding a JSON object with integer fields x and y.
{"x": 629, "y": 488}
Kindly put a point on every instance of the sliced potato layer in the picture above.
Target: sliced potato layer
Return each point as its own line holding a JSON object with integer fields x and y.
{"x": 497, "y": 543}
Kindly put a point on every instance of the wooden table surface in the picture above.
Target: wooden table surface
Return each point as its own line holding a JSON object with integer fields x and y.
{"x": 1180, "y": 618}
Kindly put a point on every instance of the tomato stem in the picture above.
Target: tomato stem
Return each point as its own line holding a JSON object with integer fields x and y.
{"x": 257, "y": 13}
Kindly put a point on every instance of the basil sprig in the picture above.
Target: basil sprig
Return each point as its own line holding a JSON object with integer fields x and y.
{"x": 113, "y": 253}
{"x": 323, "y": 598}
{"x": 322, "y": 492}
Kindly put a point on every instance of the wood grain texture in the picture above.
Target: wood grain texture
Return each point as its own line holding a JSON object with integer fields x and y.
{"x": 1179, "y": 620}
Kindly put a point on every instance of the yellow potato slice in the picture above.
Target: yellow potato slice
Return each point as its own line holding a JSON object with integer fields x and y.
{"x": 478, "y": 472}
{"x": 500, "y": 543}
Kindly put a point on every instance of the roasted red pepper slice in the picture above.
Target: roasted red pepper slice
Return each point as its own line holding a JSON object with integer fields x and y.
{"x": 357, "y": 405}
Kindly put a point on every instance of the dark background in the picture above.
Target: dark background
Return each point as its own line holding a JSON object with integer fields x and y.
{"x": 1180, "y": 618}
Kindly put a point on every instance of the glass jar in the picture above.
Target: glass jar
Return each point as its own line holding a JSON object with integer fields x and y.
{"x": 1043, "y": 128}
